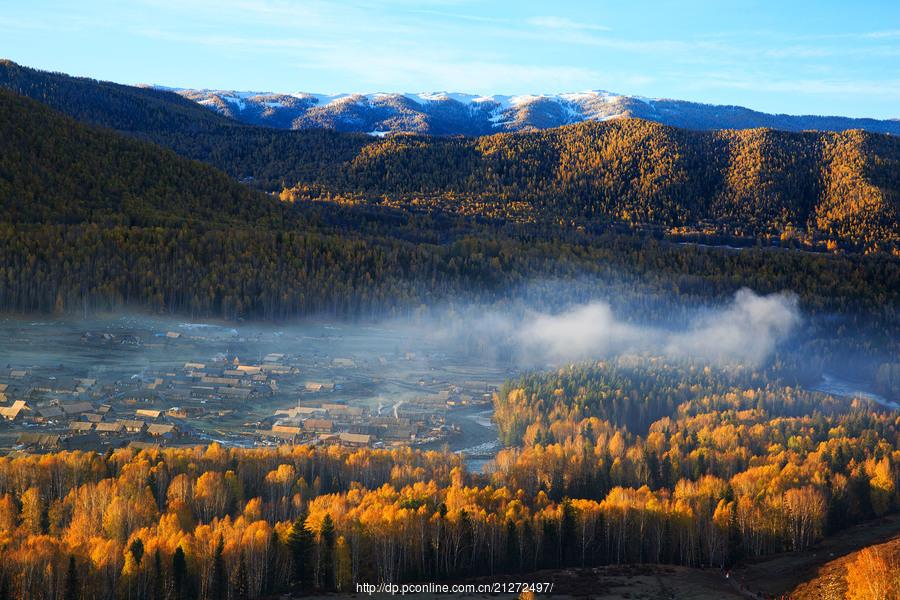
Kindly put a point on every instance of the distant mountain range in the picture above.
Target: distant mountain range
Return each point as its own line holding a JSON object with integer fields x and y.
{"x": 841, "y": 187}
{"x": 444, "y": 113}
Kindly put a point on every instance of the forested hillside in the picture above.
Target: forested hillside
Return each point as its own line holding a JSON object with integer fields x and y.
{"x": 841, "y": 188}
{"x": 272, "y": 158}
{"x": 92, "y": 220}
{"x": 54, "y": 171}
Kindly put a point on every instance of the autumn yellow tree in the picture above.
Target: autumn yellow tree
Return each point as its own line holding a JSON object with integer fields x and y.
{"x": 873, "y": 575}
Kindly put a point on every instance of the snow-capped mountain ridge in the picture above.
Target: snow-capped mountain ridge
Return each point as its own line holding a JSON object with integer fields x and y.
{"x": 417, "y": 97}
{"x": 454, "y": 113}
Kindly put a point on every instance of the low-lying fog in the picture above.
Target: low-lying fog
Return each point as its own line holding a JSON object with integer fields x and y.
{"x": 746, "y": 330}
{"x": 394, "y": 360}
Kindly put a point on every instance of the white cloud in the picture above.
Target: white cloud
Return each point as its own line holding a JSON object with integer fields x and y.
{"x": 233, "y": 41}
{"x": 431, "y": 69}
{"x": 551, "y": 22}
{"x": 893, "y": 33}
{"x": 747, "y": 331}
{"x": 581, "y": 332}
{"x": 869, "y": 88}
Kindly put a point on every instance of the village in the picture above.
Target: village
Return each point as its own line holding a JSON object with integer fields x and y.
{"x": 308, "y": 397}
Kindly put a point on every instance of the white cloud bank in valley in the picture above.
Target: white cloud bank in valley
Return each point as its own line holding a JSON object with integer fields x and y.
{"x": 747, "y": 331}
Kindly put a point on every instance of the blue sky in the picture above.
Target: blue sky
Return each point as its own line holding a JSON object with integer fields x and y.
{"x": 793, "y": 56}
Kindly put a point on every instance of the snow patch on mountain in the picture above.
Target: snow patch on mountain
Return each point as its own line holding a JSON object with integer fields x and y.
{"x": 453, "y": 113}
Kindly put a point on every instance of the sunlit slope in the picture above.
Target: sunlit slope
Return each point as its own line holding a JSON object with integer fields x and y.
{"x": 838, "y": 185}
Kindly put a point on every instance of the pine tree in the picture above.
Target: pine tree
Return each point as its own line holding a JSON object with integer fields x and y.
{"x": 300, "y": 542}
{"x": 269, "y": 583}
{"x": 241, "y": 583}
{"x": 529, "y": 545}
{"x": 179, "y": 574}
{"x": 567, "y": 535}
{"x": 158, "y": 588}
{"x": 512, "y": 547}
{"x": 549, "y": 544}
{"x": 326, "y": 546}
{"x": 136, "y": 549}
{"x": 71, "y": 590}
{"x": 217, "y": 589}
